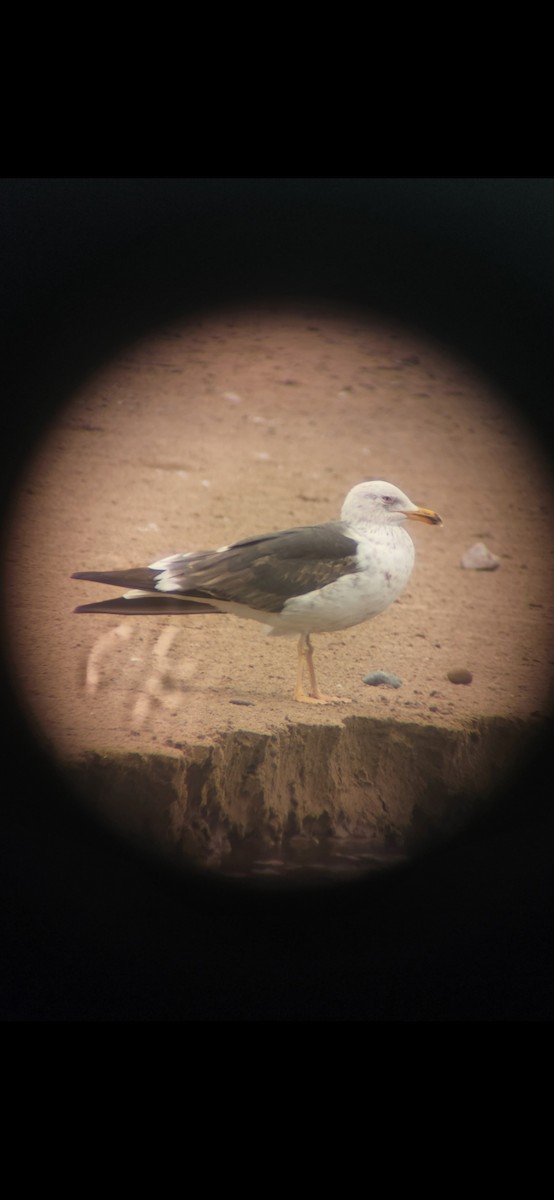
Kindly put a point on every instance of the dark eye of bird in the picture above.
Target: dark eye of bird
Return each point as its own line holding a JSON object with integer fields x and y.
{"x": 388, "y": 499}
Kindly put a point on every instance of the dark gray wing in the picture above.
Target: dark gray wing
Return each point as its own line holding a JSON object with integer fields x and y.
{"x": 265, "y": 572}
{"x": 260, "y": 572}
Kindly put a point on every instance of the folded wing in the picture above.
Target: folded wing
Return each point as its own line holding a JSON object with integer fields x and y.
{"x": 261, "y": 573}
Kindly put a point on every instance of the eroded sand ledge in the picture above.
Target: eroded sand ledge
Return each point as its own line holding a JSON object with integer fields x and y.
{"x": 397, "y": 783}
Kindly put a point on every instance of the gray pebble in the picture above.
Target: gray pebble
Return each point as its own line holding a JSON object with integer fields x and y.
{"x": 479, "y": 558}
{"x": 378, "y": 678}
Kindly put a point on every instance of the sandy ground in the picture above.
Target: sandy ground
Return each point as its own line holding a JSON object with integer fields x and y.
{"x": 253, "y": 422}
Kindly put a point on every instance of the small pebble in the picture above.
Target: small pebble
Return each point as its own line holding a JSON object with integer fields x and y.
{"x": 243, "y": 703}
{"x": 378, "y": 678}
{"x": 459, "y": 675}
{"x": 479, "y": 558}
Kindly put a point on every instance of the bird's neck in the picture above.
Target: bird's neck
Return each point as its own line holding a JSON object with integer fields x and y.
{"x": 385, "y": 535}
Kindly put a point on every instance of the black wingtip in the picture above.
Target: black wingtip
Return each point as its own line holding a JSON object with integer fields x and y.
{"x": 120, "y": 606}
{"x": 92, "y": 576}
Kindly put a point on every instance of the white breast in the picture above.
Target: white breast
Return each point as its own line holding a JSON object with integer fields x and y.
{"x": 386, "y": 558}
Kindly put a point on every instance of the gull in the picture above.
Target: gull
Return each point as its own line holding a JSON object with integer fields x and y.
{"x": 303, "y": 581}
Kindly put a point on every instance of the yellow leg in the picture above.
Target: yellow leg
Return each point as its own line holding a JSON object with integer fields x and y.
{"x": 314, "y": 696}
